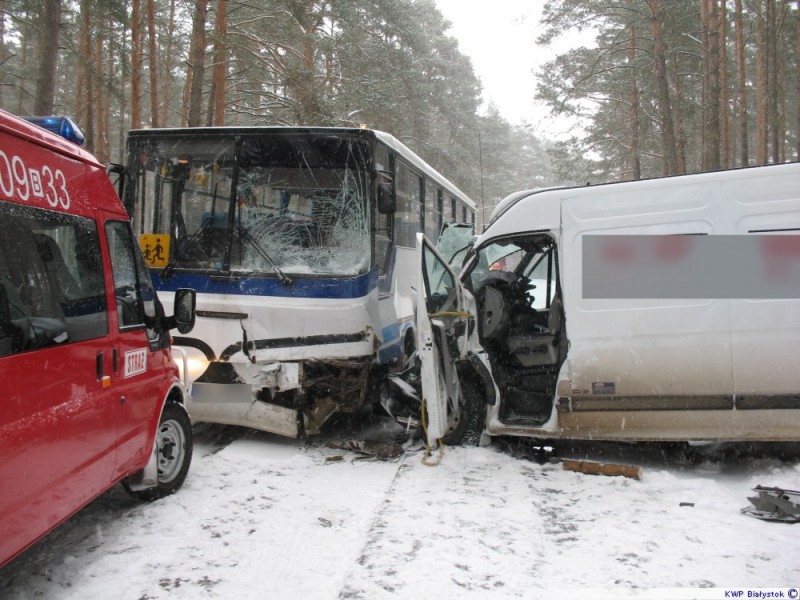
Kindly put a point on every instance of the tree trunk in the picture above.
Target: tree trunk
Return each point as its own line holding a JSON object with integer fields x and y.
{"x": 86, "y": 93}
{"x": 742, "y": 81}
{"x": 676, "y": 91}
{"x": 761, "y": 85}
{"x": 724, "y": 116}
{"x": 670, "y": 159}
{"x": 83, "y": 72}
{"x": 122, "y": 124}
{"x": 797, "y": 80}
{"x": 166, "y": 77}
{"x": 101, "y": 130}
{"x": 3, "y": 52}
{"x": 220, "y": 70}
{"x": 711, "y": 101}
{"x": 25, "y": 44}
{"x": 197, "y": 63}
{"x": 636, "y": 164}
{"x": 49, "y": 26}
{"x": 88, "y": 127}
{"x": 151, "y": 30}
{"x": 783, "y": 77}
{"x": 187, "y": 88}
{"x": 136, "y": 64}
{"x": 87, "y": 83}
{"x": 773, "y": 115}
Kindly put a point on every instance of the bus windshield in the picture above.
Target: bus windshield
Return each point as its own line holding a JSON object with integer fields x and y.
{"x": 275, "y": 203}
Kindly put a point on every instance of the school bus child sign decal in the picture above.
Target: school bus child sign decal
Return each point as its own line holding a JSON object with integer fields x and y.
{"x": 155, "y": 248}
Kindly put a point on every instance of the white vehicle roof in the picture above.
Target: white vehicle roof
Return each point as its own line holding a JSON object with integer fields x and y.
{"x": 540, "y": 209}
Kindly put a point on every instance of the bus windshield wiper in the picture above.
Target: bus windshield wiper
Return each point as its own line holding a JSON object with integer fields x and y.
{"x": 245, "y": 236}
{"x": 166, "y": 272}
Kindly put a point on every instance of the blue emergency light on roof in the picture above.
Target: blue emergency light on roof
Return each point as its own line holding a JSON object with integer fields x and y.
{"x": 63, "y": 126}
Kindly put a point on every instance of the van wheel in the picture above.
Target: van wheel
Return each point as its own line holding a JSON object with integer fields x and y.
{"x": 409, "y": 357}
{"x": 467, "y": 422}
{"x": 174, "y": 450}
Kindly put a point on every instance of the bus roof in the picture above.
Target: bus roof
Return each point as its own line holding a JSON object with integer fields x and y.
{"x": 420, "y": 164}
{"x": 385, "y": 138}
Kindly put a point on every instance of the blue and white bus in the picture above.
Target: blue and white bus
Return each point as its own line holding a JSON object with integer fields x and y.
{"x": 300, "y": 244}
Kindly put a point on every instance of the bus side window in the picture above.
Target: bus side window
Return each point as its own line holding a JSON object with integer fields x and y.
{"x": 383, "y": 241}
{"x": 433, "y": 210}
{"x": 408, "y": 217}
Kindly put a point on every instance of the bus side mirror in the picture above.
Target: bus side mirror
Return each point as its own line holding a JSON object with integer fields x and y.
{"x": 386, "y": 204}
{"x": 116, "y": 175}
{"x": 184, "y": 310}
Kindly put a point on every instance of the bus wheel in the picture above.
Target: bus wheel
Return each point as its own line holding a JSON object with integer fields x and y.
{"x": 174, "y": 450}
{"x": 467, "y": 420}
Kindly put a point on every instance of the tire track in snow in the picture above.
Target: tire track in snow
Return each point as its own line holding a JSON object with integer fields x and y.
{"x": 466, "y": 528}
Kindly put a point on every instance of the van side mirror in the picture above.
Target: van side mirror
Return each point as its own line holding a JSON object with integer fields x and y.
{"x": 184, "y": 311}
{"x": 386, "y": 202}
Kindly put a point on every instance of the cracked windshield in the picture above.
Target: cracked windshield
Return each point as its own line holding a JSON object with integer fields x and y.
{"x": 273, "y": 204}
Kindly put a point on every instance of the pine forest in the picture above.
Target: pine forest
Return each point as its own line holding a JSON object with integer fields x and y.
{"x": 663, "y": 87}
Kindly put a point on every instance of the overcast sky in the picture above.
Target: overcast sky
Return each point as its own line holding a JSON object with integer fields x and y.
{"x": 500, "y": 38}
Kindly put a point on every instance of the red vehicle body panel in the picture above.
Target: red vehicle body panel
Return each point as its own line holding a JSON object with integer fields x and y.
{"x": 79, "y": 416}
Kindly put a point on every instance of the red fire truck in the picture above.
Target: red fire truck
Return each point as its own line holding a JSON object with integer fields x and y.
{"x": 89, "y": 393}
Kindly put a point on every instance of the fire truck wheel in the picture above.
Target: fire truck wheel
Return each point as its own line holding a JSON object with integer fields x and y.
{"x": 174, "y": 450}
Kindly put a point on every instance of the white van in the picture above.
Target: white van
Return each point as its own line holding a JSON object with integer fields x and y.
{"x": 632, "y": 311}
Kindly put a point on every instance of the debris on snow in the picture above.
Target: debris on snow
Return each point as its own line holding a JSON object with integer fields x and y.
{"x": 774, "y": 504}
{"x": 597, "y": 468}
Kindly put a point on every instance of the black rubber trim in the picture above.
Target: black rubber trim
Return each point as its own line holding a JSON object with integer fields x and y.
{"x": 311, "y": 340}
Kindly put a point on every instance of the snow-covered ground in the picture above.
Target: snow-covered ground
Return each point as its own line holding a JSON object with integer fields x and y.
{"x": 264, "y": 517}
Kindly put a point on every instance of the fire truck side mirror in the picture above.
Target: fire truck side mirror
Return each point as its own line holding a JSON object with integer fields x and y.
{"x": 184, "y": 310}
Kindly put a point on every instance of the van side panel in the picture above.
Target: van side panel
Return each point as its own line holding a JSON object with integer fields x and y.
{"x": 57, "y": 443}
{"x": 644, "y": 352}
{"x": 766, "y": 333}
{"x": 80, "y": 394}
{"x": 57, "y": 421}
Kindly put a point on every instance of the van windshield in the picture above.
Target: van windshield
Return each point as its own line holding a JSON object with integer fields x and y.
{"x": 524, "y": 264}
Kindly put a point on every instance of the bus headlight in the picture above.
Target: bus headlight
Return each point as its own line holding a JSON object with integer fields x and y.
{"x": 196, "y": 363}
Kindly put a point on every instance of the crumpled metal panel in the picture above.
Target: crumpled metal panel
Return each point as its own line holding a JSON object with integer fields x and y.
{"x": 774, "y": 504}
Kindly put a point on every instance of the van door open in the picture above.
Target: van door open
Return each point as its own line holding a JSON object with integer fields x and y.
{"x": 501, "y": 334}
{"x": 442, "y": 327}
